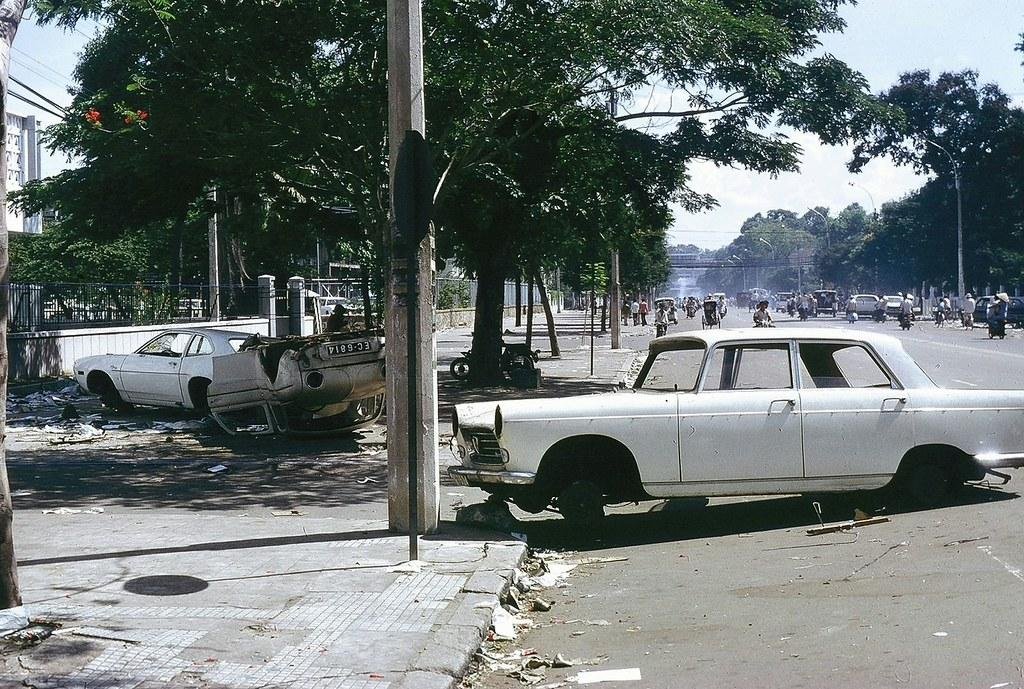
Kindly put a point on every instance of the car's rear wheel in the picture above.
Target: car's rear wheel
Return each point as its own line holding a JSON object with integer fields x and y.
{"x": 927, "y": 484}
{"x": 459, "y": 368}
{"x": 198, "y": 391}
{"x": 582, "y": 503}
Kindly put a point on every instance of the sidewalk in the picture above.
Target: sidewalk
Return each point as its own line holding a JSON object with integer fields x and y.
{"x": 278, "y": 572}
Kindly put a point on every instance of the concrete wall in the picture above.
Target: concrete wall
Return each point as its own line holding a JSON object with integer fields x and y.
{"x": 463, "y": 318}
{"x": 53, "y": 353}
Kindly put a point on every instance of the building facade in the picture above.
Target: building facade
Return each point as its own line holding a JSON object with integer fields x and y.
{"x": 24, "y": 160}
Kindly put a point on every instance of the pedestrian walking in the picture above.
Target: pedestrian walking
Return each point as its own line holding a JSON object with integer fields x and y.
{"x": 723, "y": 308}
{"x": 634, "y": 310}
{"x": 644, "y": 310}
{"x": 851, "y": 310}
{"x": 626, "y": 311}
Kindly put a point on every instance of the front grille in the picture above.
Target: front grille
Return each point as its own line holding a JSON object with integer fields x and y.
{"x": 484, "y": 448}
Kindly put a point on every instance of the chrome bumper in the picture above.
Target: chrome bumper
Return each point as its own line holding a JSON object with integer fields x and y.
{"x": 465, "y": 476}
{"x": 996, "y": 460}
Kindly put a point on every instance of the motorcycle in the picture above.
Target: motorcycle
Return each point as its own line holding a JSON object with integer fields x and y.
{"x": 513, "y": 356}
{"x": 905, "y": 321}
{"x": 879, "y": 316}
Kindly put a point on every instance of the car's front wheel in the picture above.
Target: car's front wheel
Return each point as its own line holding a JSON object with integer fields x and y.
{"x": 582, "y": 503}
{"x": 101, "y": 385}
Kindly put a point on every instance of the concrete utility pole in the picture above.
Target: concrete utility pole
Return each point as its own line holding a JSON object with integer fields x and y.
{"x": 213, "y": 243}
{"x": 413, "y": 485}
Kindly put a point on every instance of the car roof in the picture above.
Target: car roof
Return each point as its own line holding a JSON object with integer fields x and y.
{"x": 713, "y": 336}
{"x": 214, "y": 332}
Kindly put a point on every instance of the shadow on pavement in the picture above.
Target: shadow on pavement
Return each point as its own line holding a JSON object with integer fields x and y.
{"x": 688, "y": 519}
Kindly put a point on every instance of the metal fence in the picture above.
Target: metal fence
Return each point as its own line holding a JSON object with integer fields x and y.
{"x": 61, "y": 306}
{"x": 460, "y": 293}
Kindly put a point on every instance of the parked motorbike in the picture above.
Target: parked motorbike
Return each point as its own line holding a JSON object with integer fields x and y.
{"x": 996, "y": 328}
{"x": 513, "y": 356}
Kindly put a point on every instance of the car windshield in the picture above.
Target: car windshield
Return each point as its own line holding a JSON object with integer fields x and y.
{"x": 672, "y": 370}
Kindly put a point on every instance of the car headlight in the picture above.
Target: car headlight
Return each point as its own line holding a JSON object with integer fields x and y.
{"x": 497, "y": 422}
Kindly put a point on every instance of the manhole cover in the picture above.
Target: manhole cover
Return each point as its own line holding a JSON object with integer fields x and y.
{"x": 165, "y": 585}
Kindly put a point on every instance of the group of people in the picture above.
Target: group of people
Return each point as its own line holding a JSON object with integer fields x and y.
{"x": 636, "y": 311}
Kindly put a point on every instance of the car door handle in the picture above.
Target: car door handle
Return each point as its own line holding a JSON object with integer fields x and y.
{"x": 899, "y": 400}
{"x": 788, "y": 403}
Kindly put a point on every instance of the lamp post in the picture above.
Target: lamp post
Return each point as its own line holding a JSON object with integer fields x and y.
{"x": 959, "y": 219}
{"x": 828, "y": 237}
{"x": 874, "y": 208}
{"x": 743, "y": 267}
{"x": 772, "y": 247}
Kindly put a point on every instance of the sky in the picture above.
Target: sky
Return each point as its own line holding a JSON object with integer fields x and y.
{"x": 883, "y": 39}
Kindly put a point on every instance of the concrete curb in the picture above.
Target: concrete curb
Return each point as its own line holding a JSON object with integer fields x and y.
{"x": 443, "y": 661}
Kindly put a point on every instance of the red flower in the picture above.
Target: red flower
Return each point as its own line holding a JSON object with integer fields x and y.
{"x": 129, "y": 119}
{"x": 143, "y": 115}
{"x": 93, "y": 117}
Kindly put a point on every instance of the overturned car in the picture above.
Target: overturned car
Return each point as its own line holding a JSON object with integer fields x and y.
{"x": 327, "y": 383}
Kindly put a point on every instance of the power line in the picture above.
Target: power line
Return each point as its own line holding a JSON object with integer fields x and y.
{"x": 21, "y": 65}
{"x": 37, "y": 94}
{"x": 66, "y": 77}
{"x": 35, "y": 104}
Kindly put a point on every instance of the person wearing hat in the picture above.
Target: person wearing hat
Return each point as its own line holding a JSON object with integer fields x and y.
{"x": 996, "y": 315}
{"x": 763, "y": 316}
{"x": 968, "y": 311}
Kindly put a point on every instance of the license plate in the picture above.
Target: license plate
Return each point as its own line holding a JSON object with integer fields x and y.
{"x": 343, "y": 348}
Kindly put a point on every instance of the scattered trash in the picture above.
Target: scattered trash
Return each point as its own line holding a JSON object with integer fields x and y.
{"x": 631, "y": 674}
{"x": 554, "y": 576}
{"x": 70, "y": 510}
{"x": 540, "y": 605}
{"x": 599, "y": 560}
{"x": 503, "y": 623}
{"x": 73, "y": 433}
{"x": 410, "y": 567}
{"x": 578, "y": 632}
{"x": 365, "y": 480}
{"x": 965, "y": 540}
{"x": 1000, "y": 685}
{"x": 846, "y": 526}
{"x": 99, "y": 633}
{"x": 287, "y": 513}
{"x": 178, "y": 425}
{"x": 30, "y": 635}
{"x": 217, "y": 468}
{"x": 69, "y": 412}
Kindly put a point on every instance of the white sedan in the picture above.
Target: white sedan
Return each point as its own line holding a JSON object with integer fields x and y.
{"x": 174, "y": 369}
{"x": 742, "y": 412}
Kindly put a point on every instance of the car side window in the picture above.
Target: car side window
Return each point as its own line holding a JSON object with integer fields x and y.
{"x": 749, "y": 367}
{"x": 200, "y": 345}
{"x": 167, "y": 344}
{"x": 674, "y": 370}
{"x": 840, "y": 365}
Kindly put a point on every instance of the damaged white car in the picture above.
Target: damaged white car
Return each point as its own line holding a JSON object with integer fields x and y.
{"x": 743, "y": 412}
{"x": 328, "y": 383}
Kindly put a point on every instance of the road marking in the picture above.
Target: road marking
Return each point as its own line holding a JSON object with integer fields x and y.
{"x": 1015, "y": 571}
{"x": 963, "y": 382}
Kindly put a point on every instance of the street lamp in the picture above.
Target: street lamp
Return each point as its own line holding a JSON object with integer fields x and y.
{"x": 828, "y": 237}
{"x": 874, "y": 208}
{"x": 959, "y": 219}
{"x": 743, "y": 267}
{"x": 770, "y": 246}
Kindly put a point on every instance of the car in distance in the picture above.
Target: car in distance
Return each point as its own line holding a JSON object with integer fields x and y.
{"x": 174, "y": 369}
{"x": 866, "y": 304}
{"x": 1014, "y": 311}
{"x": 893, "y": 302}
{"x": 741, "y": 412}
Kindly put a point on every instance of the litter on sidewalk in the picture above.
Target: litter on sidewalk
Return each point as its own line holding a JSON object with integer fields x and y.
{"x": 631, "y": 674}
{"x": 71, "y": 510}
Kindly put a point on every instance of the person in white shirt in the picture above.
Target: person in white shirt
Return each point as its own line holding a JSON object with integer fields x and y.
{"x": 634, "y": 309}
{"x": 968, "y": 311}
{"x": 661, "y": 320}
{"x": 762, "y": 316}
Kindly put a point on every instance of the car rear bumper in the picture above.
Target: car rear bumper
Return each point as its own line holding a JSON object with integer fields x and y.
{"x": 467, "y": 476}
{"x": 1000, "y": 460}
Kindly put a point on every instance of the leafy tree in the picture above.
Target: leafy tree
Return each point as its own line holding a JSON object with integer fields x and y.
{"x": 984, "y": 134}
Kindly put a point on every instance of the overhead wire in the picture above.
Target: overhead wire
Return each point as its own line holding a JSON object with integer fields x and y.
{"x": 35, "y": 93}
{"x": 36, "y": 104}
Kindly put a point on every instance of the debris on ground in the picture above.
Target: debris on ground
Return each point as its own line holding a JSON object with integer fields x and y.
{"x": 962, "y": 541}
{"x": 71, "y": 510}
{"x": 493, "y": 514}
{"x": 631, "y": 674}
{"x": 13, "y": 619}
{"x": 410, "y": 567}
{"x": 70, "y": 433}
{"x": 846, "y": 526}
{"x": 189, "y": 425}
{"x": 287, "y": 513}
{"x": 217, "y": 468}
{"x": 69, "y": 412}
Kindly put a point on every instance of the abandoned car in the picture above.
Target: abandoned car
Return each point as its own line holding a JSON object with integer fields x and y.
{"x": 739, "y": 412}
{"x": 174, "y": 369}
{"x": 327, "y": 383}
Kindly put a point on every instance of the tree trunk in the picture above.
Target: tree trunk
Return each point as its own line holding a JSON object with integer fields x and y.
{"x": 519, "y": 301}
{"x": 552, "y": 336}
{"x": 485, "y": 369}
{"x": 529, "y": 312}
{"x": 11, "y": 12}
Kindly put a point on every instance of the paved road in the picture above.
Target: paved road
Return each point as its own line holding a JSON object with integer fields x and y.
{"x": 736, "y": 595}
